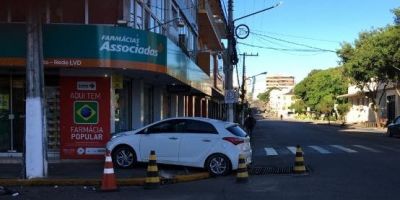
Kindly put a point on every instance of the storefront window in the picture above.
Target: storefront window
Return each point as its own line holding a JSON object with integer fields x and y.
{"x": 139, "y": 15}
{"x": 123, "y": 99}
{"x": 148, "y": 104}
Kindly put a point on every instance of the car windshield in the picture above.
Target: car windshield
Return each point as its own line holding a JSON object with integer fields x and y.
{"x": 236, "y": 130}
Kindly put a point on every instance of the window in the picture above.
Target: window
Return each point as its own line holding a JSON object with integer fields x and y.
{"x": 139, "y": 16}
{"x": 193, "y": 126}
{"x": 236, "y": 130}
{"x": 170, "y": 126}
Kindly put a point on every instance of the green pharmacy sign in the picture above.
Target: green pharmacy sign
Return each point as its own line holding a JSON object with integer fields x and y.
{"x": 86, "y": 112}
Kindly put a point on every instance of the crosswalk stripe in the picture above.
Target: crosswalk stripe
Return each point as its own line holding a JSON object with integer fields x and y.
{"x": 367, "y": 148}
{"x": 270, "y": 152}
{"x": 320, "y": 149}
{"x": 292, "y": 149}
{"x": 348, "y": 150}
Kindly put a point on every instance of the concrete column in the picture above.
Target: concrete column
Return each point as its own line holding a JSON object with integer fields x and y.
{"x": 35, "y": 153}
{"x": 181, "y": 106}
{"x": 205, "y": 108}
{"x": 174, "y": 106}
{"x": 158, "y": 104}
{"x": 137, "y": 104}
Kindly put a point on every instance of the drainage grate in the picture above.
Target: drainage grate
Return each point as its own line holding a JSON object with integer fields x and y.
{"x": 260, "y": 170}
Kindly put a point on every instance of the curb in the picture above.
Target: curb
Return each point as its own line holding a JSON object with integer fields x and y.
{"x": 97, "y": 182}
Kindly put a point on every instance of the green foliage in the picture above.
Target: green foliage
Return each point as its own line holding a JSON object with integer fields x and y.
{"x": 299, "y": 106}
{"x": 343, "y": 108}
{"x": 265, "y": 96}
{"x": 396, "y": 13}
{"x": 321, "y": 86}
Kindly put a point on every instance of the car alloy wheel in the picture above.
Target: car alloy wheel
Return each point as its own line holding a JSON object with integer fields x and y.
{"x": 218, "y": 165}
{"x": 124, "y": 157}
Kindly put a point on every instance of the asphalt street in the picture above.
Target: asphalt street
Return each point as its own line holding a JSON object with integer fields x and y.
{"x": 344, "y": 165}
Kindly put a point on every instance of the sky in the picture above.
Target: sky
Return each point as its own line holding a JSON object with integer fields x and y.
{"x": 322, "y": 24}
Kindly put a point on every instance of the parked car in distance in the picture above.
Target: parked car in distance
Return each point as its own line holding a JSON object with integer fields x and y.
{"x": 394, "y": 127}
{"x": 189, "y": 141}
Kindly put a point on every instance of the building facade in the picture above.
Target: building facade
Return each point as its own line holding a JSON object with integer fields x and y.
{"x": 281, "y": 95}
{"x": 361, "y": 111}
{"x": 111, "y": 66}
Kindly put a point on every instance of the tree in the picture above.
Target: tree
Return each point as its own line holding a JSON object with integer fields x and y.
{"x": 265, "y": 96}
{"x": 299, "y": 106}
{"x": 342, "y": 109}
{"x": 373, "y": 62}
{"x": 325, "y": 106}
{"x": 396, "y": 13}
{"x": 320, "y": 84}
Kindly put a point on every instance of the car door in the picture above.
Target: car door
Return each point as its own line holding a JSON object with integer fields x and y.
{"x": 196, "y": 142}
{"x": 163, "y": 139}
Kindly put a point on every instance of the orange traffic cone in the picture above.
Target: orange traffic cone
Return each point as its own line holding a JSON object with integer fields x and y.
{"x": 108, "y": 183}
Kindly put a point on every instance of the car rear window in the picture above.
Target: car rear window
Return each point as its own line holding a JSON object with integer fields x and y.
{"x": 236, "y": 130}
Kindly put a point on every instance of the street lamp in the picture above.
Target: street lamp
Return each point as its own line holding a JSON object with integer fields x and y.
{"x": 254, "y": 82}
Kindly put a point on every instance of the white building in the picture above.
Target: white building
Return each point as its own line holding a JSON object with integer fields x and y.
{"x": 281, "y": 94}
{"x": 361, "y": 106}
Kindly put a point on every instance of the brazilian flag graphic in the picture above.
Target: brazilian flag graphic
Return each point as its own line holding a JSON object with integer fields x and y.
{"x": 86, "y": 112}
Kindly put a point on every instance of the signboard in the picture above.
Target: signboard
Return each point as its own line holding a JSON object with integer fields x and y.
{"x": 84, "y": 117}
{"x": 231, "y": 96}
{"x": 87, "y": 46}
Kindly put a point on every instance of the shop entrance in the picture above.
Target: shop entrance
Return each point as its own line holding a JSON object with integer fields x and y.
{"x": 12, "y": 113}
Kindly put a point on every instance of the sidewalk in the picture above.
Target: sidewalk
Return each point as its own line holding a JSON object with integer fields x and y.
{"x": 76, "y": 172}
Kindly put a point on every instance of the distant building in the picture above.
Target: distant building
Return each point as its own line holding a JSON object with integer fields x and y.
{"x": 281, "y": 93}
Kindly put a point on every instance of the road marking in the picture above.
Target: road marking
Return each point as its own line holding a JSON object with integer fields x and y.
{"x": 367, "y": 148}
{"x": 292, "y": 149}
{"x": 270, "y": 152}
{"x": 320, "y": 149}
{"x": 348, "y": 150}
{"x": 389, "y": 148}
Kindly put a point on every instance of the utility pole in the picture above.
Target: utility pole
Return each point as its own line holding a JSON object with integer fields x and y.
{"x": 243, "y": 91}
{"x": 229, "y": 70}
{"x": 232, "y": 54}
{"x": 35, "y": 145}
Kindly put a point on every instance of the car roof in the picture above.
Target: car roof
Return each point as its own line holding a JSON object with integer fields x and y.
{"x": 215, "y": 122}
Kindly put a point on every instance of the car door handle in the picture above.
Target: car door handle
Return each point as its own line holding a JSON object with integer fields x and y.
{"x": 173, "y": 138}
{"x": 206, "y": 140}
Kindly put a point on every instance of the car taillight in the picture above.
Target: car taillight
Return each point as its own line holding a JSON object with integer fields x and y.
{"x": 234, "y": 140}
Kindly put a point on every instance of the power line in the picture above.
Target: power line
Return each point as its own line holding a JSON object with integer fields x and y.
{"x": 285, "y": 49}
{"x": 295, "y": 43}
{"x": 297, "y": 36}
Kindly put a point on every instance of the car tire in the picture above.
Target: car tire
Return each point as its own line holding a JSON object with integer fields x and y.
{"x": 124, "y": 157}
{"x": 218, "y": 165}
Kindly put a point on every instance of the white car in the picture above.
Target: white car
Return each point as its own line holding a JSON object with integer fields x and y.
{"x": 197, "y": 142}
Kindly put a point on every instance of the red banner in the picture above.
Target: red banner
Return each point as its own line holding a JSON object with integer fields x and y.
{"x": 84, "y": 117}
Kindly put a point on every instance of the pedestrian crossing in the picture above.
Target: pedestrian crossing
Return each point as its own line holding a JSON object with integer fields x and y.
{"x": 320, "y": 149}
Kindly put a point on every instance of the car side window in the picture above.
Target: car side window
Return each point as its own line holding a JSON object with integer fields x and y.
{"x": 163, "y": 127}
{"x": 171, "y": 126}
{"x": 193, "y": 126}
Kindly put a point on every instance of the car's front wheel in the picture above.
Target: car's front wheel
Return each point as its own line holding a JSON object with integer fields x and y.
{"x": 218, "y": 165}
{"x": 124, "y": 157}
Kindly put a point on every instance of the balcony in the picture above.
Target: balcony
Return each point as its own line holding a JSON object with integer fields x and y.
{"x": 212, "y": 23}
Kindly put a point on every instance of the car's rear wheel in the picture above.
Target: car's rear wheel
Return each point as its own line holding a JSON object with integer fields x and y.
{"x": 218, "y": 165}
{"x": 124, "y": 157}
